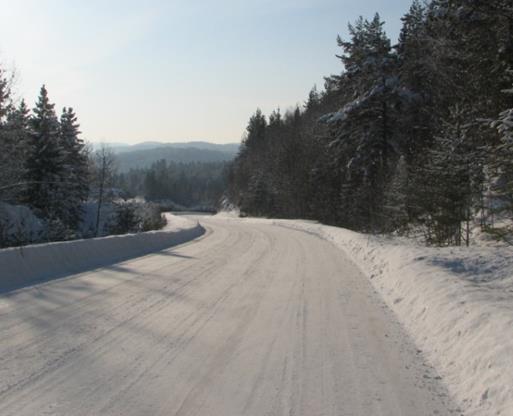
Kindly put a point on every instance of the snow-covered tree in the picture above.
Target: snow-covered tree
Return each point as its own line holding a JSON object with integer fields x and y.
{"x": 401, "y": 135}
{"x": 365, "y": 142}
{"x": 451, "y": 181}
{"x": 503, "y": 156}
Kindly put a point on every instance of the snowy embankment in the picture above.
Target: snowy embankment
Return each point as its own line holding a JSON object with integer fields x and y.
{"x": 22, "y": 266}
{"x": 457, "y": 303}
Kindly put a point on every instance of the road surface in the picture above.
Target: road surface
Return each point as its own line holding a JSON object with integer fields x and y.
{"x": 251, "y": 319}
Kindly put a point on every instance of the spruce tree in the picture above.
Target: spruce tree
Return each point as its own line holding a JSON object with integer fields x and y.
{"x": 7, "y": 161}
{"x": 45, "y": 168}
{"x": 75, "y": 167}
{"x": 452, "y": 181}
{"x": 503, "y": 158}
{"x": 314, "y": 99}
{"x": 5, "y": 95}
{"x": 418, "y": 86}
{"x": 14, "y": 143}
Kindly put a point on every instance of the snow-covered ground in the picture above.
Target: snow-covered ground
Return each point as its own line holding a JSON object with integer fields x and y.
{"x": 457, "y": 303}
{"x": 20, "y": 266}
{"x": 250, "y": 320}
{"x": 282, "y": 293}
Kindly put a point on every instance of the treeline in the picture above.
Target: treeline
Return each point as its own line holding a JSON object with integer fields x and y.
{"x": 412, "y": 136}
{"x": 49, "y": 179}
{"x": 44, "y": 163}
{"x": 194, "y": 185}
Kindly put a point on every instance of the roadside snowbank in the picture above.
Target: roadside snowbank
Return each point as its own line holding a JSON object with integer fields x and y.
{"x": 18, "y": 224}
{"x": 457, "y": 303}
{"x": 37, "y": 263}
{"x": 232, "y": 213}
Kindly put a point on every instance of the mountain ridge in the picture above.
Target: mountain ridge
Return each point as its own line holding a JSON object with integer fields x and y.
{"x": 120, "y": 147}
{"x": 143, "y": 155}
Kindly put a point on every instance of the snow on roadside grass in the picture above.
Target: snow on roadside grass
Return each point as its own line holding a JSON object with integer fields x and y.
{"x": 457, "y": 303}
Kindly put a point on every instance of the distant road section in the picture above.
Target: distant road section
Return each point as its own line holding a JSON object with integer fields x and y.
{"x": 251, "y": 319}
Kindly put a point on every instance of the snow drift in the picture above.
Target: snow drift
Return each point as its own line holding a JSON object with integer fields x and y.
{"x": 18, "y": 224}
{"x": 23, "y": 266}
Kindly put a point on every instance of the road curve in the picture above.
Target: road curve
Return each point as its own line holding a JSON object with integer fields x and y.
{"x": 251, "y": 319}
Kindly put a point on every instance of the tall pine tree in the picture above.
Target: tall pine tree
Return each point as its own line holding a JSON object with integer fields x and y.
{"x": 15, "y": 149}
{"x": 75, "y": 168}
{"x": 45, "y": 169}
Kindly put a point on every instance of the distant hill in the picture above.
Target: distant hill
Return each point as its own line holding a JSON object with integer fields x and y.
{"x": 143, "y": 155}
{"x": 228, "y": 148}
{"x": 125, "y": 147}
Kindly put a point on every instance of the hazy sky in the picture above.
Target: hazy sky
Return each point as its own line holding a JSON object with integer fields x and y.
{"x": 177, "y": 70}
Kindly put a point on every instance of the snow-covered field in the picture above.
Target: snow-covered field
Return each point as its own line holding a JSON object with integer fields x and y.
{"x": 457, "y": 303}
{"x": 30, "y": 264}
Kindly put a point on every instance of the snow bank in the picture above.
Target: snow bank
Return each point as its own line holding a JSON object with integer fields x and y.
{"x": 32, "y": 264}
{"x": 19, "y": 225}
{"x": 457, "y": 303}
{"x": 234, "y": 213}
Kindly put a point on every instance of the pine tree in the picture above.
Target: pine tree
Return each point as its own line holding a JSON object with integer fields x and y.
{"x": 418, "y": 81}
{"x": 255, "y": 137}
{"x": 314, "y": 99}
{"x": 45, "y": 191}
{"x": 126, "y": 219}
{"x": 418, "y": 87}
{"x": 250, "y": 164}
{"x": 8, "y": 162}
{"x": 14, "y": 138}
{"x": 152, "y": 186}
{"x": 365, "y": 144}
{"x": 5, "y": 95}
{"x": 410, "y": 142}
{"x": 503, "y": 157}
{"x": 75, "y": 168}
{"x": 452, "y": 181}
{"x": 366, "y": 57}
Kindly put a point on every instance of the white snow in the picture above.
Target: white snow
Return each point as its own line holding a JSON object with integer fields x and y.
{"x": 457, "y": 303}
{"x": 252, "y": 320}
{"x": 30, "y": 264}
{"x": 235, "y": 213}
{"x": 18, "y": 224}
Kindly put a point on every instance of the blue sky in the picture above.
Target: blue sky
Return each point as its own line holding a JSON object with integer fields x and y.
{"x": 177, "y": 70}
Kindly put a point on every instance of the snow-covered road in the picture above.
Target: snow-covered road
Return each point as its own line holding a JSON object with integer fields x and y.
{"x": 251, "y": 319}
